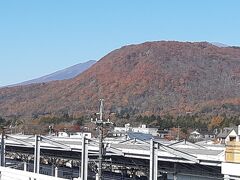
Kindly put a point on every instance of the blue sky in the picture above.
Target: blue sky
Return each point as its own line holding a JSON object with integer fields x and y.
{"x": 40, "y": 37}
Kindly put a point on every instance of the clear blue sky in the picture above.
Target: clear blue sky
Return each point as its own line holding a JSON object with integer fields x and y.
{"x": 40, "y": 37}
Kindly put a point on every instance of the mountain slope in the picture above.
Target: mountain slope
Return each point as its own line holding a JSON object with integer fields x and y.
{"x": 149, "y": 78}
{"x": 219, "y": 44}
{"x": 67, "y": 73}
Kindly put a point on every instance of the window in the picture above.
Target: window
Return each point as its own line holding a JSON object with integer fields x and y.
{"x": 232, "y": 138}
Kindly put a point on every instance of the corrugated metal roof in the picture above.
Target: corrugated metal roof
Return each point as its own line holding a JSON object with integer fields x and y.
{"x": 140, "y": 136}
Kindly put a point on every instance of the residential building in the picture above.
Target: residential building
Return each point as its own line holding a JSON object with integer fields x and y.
{"x": 229, "y": 134}
{"x": 122, "y": 131}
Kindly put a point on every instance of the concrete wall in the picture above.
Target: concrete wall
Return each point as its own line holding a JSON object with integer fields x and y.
{"x": 232, "y": 169}
{"x": 13, "y": 174}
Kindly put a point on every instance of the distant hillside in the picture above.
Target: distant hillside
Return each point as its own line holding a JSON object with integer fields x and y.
{"x": 219, "y": 44}
{"x": 149, "y": 78}
{"x": 67, "y": 73}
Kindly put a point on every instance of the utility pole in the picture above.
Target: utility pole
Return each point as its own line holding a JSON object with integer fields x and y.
{"x": 2, "y": 161}
{"x": 100, "y": 129}
{"x": 99, "y": 122}
{"x": 178, "y": 136}
{"x": 100, "y": 141}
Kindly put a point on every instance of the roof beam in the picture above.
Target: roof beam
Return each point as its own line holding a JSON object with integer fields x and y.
{"x": 20, "y": 141}
{"x": 55, "y": 143}
{"x": 179, "y": 153}
{"x": 187, "y": 142}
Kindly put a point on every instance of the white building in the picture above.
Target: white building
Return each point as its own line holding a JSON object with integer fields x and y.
{"x": 145, "y": 130}
{"x": 74, "y": 134}
{"x": 229, "y": 134}
{"x": 120, "y": 131}
{"x": 231, "y": 165}
{"x": 195, "y": 135}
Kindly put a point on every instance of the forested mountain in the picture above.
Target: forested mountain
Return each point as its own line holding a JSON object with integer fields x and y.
{"x": 150, "y": 78}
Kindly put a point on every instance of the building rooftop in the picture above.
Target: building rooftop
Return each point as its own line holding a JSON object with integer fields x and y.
{"x": 139, "y": 136}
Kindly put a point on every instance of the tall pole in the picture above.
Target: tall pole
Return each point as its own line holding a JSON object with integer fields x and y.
{"x": 178, "y": 133}
{"x": 100, "y": 158}
{"x": 100, "y": 124}
{"x": 101, "y": 110}
{"x": 3, "y": 148}
{"x": 153, "y": 172}
{"x": 37, "y": 154}
{"x": 84, "y": 162}
{"x": 151, "y": 160}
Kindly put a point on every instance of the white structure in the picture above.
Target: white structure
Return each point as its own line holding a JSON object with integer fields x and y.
{"x": 75, "y": 134}
{"x": 231, "y": 165}
{"x": 145, "y": 130}
{"x": 228, "y": 134}
{"x": 166, "y": 151}
{"x": 231, "y": 170}
{"x": 119, "y": 131}
{"x": 195, "y": 135}
{"x": 14, "y": 174}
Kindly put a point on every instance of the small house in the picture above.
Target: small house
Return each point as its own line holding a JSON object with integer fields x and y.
{"x": 228, "y": 134}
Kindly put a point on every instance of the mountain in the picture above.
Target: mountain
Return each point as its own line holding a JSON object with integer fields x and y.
{"x": 219, "y": 44}
{"x": 149, "y": 78}
{"x": 67, "y": 73}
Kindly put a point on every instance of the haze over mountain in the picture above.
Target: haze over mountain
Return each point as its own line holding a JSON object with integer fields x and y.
{"x": 67, "y": 73}
{"x": 149, "y": 78}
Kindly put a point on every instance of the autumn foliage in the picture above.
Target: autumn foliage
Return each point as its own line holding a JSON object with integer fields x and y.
{"x": 149, "y": 78}
{"x": 215, "y": 122}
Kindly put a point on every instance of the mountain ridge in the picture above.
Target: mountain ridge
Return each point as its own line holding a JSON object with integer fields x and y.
{"x": 63, "y": 74}
{"x": 149, "y": 78}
